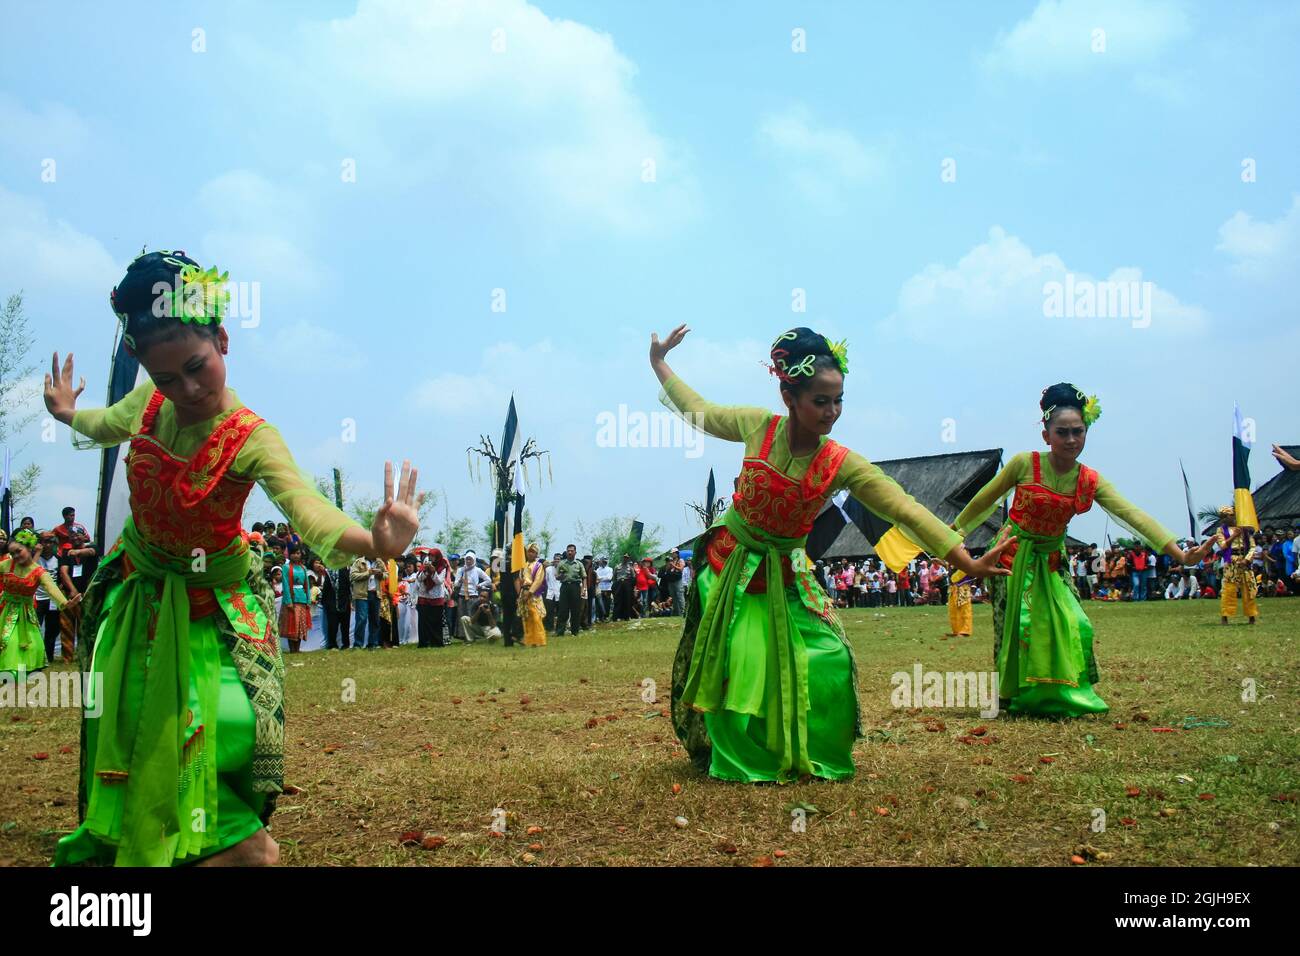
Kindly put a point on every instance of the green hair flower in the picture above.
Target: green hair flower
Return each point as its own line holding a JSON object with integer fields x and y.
{"x": 1091, "y": 410}
{"x": 200, "y": 296}
{"x": 27, "y": 538}
{"x": 840, "y": 350}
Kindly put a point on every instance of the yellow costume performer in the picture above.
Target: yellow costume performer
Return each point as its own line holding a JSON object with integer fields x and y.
{"x": 961, "y": 618}
{"x": 1238, "y": 578}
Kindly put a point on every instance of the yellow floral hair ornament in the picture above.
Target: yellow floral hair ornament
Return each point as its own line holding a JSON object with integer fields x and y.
{"x": 840, "y": 350}
{"x": 200, "y": 296}
{"x": 1091, "y": 410}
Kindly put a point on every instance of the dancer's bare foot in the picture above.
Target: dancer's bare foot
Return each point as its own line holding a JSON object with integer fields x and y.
{"x": 257, "y": 850}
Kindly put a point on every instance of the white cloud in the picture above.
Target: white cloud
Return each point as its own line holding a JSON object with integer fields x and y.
{"x": 1058, "y": 37}
{"x": 1262, "y": 249}
{"x": 48, "y": 257}
{"x": 546, "y": 123}
{"x": 52, "y": 132}
{"x": 822, "y": 161}
{"x": 1001, "y": 287}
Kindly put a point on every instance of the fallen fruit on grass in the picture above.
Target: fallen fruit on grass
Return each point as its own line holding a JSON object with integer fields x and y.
{"x": 41, "y": 756}
{"x": 677, "y": 788}
{"x": 533, "y": 830}
{"x": 1047, "y": 760}
{"x": 1133, "y": 791}
{"x": 65, "y": 749}
{"x": 979, "y": 731}
{"x": 528, "y": 858}
{"x": 455, "y": 700}
{"x": 1077, "y": 860}
{"x": 1019, "y": 778}
{"x": 681, "y": 822}
{"x": 410, "y": 838}
{"x": 1205, "y": 796}
{"x": 432, "y": 842}
{"x": 593, "y": 722}
{"x": 1168, "y": 811}
{"x": 728, "y": 847}
{"x": 1128, "y": 821}
{"x": 534, "y": 847}
{"x": 764, "y": 861}
{"x": 882, "y": 811}
{"x": 779, "y": 854}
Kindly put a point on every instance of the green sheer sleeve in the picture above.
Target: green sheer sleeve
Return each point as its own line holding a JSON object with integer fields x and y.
{"x": 106, "y": 427}
{"x": 266, "y": 459}
{"x": 886, "y": 498}
{"x": 1152, "y": 532}
{"x": 52, "y": 589}
{"x": 729, "y": 422}
{"x": 988, "y": 498}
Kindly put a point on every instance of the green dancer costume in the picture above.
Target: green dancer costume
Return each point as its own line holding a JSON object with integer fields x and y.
{"x": 22, "y": 649}
{"x": 763, "y": 681}
{"x": 1042, "y": 638}
{"x": 187, "y": 756}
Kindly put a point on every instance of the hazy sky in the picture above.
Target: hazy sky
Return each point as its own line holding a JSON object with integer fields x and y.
{"x": 391, "y": 175}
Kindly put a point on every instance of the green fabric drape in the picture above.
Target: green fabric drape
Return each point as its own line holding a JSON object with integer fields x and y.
{"x": 783, "y": 701}
{"x": 142, "y": 730}
{"x": 1044, "y": 659}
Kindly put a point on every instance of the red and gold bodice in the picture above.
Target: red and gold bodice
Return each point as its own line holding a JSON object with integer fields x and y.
{"x": 773, "y": 502}
{"x": 20, "y": 585}
{"x": 1045, "y": 513}
{"x": 178, "y": 504}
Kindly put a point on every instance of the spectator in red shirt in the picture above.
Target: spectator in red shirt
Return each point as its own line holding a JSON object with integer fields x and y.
{"x": 1137, "y": 563}
{"x": 645, "y": 580}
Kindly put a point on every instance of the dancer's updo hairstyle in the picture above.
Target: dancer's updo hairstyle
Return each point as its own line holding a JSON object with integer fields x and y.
{"x": 150, "y": 315}
{"x": 799, "y": 354}
{"x": 1064, "y": 395}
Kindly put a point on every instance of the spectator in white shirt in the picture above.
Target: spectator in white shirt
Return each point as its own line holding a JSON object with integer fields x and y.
{"x": 605, "y": 583}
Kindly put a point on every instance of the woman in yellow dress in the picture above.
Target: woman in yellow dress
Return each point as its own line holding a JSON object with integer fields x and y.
{"x": 961, "y": 619}
{"x": 532, "y": 585}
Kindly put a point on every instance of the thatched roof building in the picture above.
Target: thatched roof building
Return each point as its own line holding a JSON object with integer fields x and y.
{"x": 1277, "y": 501}
{"x": 944, "y": 484}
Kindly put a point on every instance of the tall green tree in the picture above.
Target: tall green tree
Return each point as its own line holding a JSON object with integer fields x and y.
{"x": 15, "y": 344}
{"x": 613, "y": 538}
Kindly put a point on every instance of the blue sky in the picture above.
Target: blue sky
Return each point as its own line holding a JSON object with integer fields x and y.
{"x": 521, "y": 169}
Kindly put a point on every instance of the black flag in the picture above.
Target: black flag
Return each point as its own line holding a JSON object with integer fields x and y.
{"x": 113, "y": 505}
{"x": 1187, "y": 493}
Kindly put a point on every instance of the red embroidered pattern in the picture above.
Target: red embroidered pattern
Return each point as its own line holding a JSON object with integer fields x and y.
{"x": 23, "y": 585}
{"x": 1047, "y": 513}
{"x": 773, "y": 502}
{"x": 180, "y": 505}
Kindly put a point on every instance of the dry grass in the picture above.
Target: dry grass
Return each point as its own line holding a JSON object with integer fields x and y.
{"x": 436, "y": 739}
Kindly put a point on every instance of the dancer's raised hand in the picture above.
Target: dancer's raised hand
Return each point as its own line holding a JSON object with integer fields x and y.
{"x": 398, "y": 518}
{"x": 1285, "y": 458}
{"x": 658, "y": 350}
{"x": 60, "y": 397}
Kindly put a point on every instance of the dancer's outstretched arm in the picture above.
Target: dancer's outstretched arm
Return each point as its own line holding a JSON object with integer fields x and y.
{"x": 728, "y": 422}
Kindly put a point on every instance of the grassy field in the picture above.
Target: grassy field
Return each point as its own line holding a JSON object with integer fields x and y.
{"x": 561, "y": 739}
